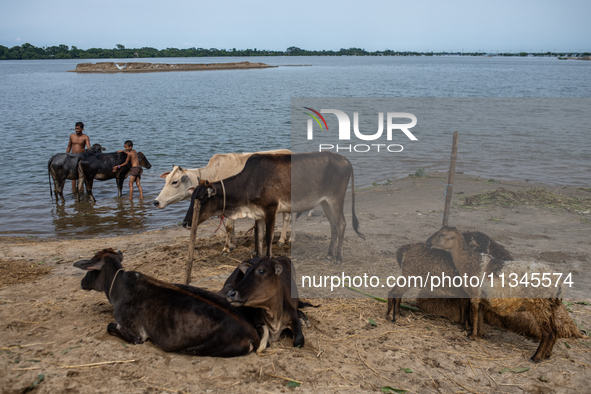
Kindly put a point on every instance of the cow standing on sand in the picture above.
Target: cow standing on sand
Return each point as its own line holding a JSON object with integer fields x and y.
{"x": 100, "y": 166}
{"x": 177, "y": 319}
{"x": 267, "y": 186}
{"x": 220, "y": 166}
{"x": 64, "y": 166}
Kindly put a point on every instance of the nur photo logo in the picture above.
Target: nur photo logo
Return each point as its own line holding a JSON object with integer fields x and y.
{"x": 344, "y": 130}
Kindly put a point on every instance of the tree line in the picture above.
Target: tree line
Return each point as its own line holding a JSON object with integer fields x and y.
{"x": 28, "y": 51}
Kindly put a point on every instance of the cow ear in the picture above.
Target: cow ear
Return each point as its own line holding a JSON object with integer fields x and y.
{"x": 278, "y": 268}
{"x": 103, "y": 148}
{"x": 90, "y": 265}
{"x": 164, "y": 175}
{"x": 184, "y": 178}
{"x": 120, "y": 253}
{"x": 191, "y": 189}
{"x": 244, "y": 266}
{"x": 210, "y": 192}
{"x": 180, "y": 168}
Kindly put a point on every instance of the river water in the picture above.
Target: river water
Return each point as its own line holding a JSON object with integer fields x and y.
{"x": 183, "y": 118}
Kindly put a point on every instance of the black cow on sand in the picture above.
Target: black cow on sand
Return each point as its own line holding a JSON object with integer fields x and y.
{"x": 64, "y": 166}
{"x": 176, "y": 319}
{"x": 271, "y": 184}
{"x": 100, "y": 166}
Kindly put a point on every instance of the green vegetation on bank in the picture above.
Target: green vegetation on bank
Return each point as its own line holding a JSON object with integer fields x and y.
{"x": 28, "y": 51}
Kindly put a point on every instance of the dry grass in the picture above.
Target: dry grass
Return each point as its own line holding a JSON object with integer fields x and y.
{"x": 536, "y": 196}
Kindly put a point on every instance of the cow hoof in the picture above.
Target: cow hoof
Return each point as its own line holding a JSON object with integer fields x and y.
{"x": 280, "y": 244}
{"x": 224, "y": 253}
{"x": 299, "y": 341}
{"x": 112, "y": 329}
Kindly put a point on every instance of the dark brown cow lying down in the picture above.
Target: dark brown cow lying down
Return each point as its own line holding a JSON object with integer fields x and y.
{"x": 187, "y": 320}
{"x": 267, "y": 285}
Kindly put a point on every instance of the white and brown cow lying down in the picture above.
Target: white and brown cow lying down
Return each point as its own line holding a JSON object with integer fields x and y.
{"x": 271, "y": 184}
{"x": 220, "y": 166}
{"x": 177, "y": 319}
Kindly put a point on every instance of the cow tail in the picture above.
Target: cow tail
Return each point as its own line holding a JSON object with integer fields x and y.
{"x": 355, "y": 221}
{"x": 49, "y": 176}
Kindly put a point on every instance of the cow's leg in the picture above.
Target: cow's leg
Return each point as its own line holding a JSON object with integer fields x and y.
{"x": 333, "y": 230}
{"x": 270, "y": 228}
{"x": 59, "y": 189}
{"x": 125, "y": 334}
{"x": 89, "y": 182}
{"x": 233, "y": 238}
{"x": 340, "y": 225}
{"x": 292, "y": 234}
{"x": 120, "y": 186}
{"x": 296, "y": 328}
{"x": 310, "y": 213}
{"x": 259, "y": 228}
{"x": 228, "y": 246}
{"x": 286, "y": 220}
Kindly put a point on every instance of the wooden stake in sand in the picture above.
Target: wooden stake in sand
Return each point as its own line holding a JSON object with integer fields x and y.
{"x": 450, "y": 179}
{"x": 194, "y": 221}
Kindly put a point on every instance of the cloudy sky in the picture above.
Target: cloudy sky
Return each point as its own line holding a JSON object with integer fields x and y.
{"x": 419, "y": 25}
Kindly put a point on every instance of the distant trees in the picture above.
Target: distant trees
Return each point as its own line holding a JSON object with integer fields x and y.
{"x": 28, "y": 51}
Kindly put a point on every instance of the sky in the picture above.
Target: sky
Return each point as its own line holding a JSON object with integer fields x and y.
{"x": 408, "y": 25}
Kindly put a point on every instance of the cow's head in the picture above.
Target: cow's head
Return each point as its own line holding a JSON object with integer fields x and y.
{"x": 261, "y": 285}
{"x": 96, "y": 148}
{"x": 143, "y": 161}
{"x": 201, "y": 196}
{"x": 175, "y": 187}
{"x": 101, "y": 269}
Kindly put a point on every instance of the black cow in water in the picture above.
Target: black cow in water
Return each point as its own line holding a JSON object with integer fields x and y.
{"x": 100, "y": 166}
{"x": 64, "y": 166}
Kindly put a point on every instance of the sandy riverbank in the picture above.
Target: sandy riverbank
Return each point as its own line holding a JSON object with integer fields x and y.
{"x": 135, "y": 67}
{"x": 49, "y": 324}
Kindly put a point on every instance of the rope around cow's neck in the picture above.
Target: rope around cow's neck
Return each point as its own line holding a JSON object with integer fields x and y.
{"x": 113, "y": 282}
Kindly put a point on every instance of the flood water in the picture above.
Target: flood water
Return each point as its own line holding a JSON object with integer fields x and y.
{"x": 183, "y": 118}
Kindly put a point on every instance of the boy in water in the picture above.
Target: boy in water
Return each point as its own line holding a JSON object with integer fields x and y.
{"x": 78, "y": 142}
{"x": 136, "y": 170}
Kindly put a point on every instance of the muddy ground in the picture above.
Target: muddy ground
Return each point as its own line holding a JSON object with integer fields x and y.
{"x": 53, "y": 334}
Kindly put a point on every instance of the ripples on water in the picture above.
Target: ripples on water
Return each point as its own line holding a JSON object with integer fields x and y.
{"x": 186, "y": 117}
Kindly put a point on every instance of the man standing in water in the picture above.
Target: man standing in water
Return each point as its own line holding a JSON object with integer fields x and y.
{"x": 135, "y": 173}
{"x": 78, "y": 142}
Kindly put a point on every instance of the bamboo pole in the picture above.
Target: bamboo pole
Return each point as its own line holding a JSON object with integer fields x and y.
{"x": 450, "y": 179}
{"x": 194, "y": 221}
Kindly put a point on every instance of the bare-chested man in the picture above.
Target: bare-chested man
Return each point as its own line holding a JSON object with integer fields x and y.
{"x": 136, "y": 170}
{"x": 78, "y": 142}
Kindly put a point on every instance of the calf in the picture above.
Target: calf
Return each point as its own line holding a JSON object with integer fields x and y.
{"x": 100, "y": 166}
{"x": 177, "y": 319}
{"x": 269, "y": 184}
{"x": 64, "y": 166}
{"x": 268, "y": 284}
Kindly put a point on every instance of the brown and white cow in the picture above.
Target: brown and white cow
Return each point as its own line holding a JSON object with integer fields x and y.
{"x": 220, "y": 166}
{"x": 267, "y": 285}
{"x": 176, "y": 318}
{"x": 271, "y": 184}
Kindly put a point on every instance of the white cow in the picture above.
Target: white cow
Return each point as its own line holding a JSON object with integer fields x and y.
{"x": 220, "y": 166}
